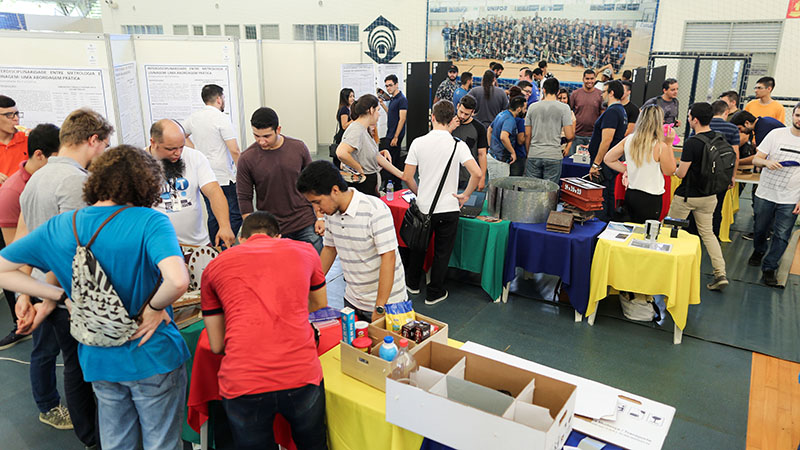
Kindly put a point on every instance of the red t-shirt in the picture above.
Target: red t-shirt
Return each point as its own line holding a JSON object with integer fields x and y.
{"x": 9, "y": 196}
{"x": 14, "y": 153}
{"x": 262, "y": 287}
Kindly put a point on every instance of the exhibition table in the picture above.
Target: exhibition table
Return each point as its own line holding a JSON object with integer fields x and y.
{"x": 566, "y": 255}
{"x": 570, "y": 168}
{"x": 480, "y": 246}
{"x": 676, "y": 274}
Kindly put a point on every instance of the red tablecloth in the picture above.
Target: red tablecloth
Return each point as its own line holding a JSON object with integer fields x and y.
{"x": 398, "y": 207}
{"x": 666, "y": 199}
{"x": 204, "y": 386}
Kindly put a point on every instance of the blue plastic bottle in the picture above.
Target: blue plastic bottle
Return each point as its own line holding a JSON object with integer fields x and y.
{"x": 388, "y": 349}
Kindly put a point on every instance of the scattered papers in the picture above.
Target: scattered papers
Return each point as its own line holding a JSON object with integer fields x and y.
{"x": 647, "y": 245}
{"x": 408, "y": 196}
{"x": 616, "y": 231}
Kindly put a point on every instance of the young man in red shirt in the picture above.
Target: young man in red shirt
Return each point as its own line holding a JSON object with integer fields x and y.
{"x": 256, "y": 301}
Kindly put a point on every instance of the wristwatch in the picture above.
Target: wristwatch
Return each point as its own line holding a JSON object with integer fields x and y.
{"x": 321, "y": 218}
{"x": 380, "y": 310}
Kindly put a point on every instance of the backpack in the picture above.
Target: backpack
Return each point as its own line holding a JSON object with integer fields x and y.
{"x": 716, "y": 165}
{"x": 98, "y": 317}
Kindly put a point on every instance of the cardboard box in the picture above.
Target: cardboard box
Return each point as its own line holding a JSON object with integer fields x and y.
{"x": 369, "y": 367}
{"x": 467, "y": 401}
{"x": 440, "y": 336}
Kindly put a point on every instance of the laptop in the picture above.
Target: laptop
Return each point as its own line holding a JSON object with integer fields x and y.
{"x": 474, "y": 204}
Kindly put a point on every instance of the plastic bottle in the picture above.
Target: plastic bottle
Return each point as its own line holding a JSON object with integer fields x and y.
{"x": 390, "y": 191}
{"x": 388, "y": 350}
{"x": 405, "y": 363}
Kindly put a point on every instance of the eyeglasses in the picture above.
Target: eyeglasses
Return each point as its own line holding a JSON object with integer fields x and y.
{"x": 388, "y": 85}
{"x": 11, "y": 115}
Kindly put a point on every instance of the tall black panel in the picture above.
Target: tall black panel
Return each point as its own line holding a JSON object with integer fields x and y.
{"x": 639, "y": 81}
{"x": 657, "y": 77}
{"x": 418, "y": 92}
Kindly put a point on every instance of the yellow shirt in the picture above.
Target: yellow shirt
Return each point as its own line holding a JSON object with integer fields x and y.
{"x": 772, "y": 109}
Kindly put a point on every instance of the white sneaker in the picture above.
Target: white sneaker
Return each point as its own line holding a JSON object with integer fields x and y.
{"x": 412, "y": 291}
{"x": 436, "y": 300}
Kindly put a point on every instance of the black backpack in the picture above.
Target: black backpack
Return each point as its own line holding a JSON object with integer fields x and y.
{"x": 716, "y": 165}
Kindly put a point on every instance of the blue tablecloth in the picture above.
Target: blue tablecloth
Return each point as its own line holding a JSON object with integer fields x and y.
{"x": 569, "y": 168}
{"x": 568, "y": 256}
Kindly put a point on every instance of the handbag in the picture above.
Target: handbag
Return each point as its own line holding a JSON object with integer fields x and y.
{"x": 416, "y": 229}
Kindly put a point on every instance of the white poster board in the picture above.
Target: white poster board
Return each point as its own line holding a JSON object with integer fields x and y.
{"x": 49, "y": 94}
{"x": 173, "y": 91}
{"x": 130, "y": 110}
{"x": 360, "y": 78}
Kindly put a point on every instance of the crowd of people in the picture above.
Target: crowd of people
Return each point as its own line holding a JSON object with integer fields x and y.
{"x": 530, "y": 39}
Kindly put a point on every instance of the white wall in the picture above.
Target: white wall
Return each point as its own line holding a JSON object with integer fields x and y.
{"x": 62, "y": 23}
{"x": 673, "y": 14}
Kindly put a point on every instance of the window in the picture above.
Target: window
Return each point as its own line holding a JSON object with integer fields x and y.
{"x": 332, "y": 32}
{"x": 213, "y": 30}
{"x": 180, "y": 30}
{"x": 143, "y": 29}
{"x": 271, "y": 31}
{"x": 198, "y": 30}
{"x": 250, "y": 32}
{"x": 232, "y": 31}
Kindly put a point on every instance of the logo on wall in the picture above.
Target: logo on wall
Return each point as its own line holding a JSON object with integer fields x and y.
{"x": 381, "y": 40}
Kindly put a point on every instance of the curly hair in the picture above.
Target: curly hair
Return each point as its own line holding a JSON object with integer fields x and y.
{"x": 125, "y": 175}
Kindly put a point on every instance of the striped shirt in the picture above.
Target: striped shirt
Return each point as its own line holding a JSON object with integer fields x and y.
{"x": 360, "y": 235}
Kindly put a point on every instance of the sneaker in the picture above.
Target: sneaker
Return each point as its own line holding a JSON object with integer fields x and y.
{"x": 412, "y": 291}
{"x": 719, "y": 283}
{"x": 748, "y": 236}
{"x": 769, "y": 278}
{"x": 755, "y": 259}
{"x": 436, "y": 300}
{"x": 13, "y": 339}
{"x": 57, "y": 417}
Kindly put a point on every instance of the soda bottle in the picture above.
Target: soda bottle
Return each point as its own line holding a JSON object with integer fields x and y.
{"x": 404, "y": 363}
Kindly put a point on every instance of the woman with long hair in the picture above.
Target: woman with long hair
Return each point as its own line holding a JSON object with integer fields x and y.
{"x": 346, "y": 99}
{"x": 650, "y": 156}
{"x": 490, "y": 99}
{"x": 359, "y": 151}
{"x": 566, "y": 146}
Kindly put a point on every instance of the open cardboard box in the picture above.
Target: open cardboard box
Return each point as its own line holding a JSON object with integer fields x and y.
{"x": 440, "y": 336}
{"x": 467, "y": 401}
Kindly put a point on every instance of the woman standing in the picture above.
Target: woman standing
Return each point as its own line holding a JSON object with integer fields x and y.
{"x": 346, "y": 99}
{"x": 650, "y": 156}
{"x": 566, "y": 146}
{"x": 490, "y": 99}
{"x": 359, "y": 151}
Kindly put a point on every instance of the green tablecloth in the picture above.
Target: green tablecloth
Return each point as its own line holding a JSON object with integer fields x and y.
{"x": 486, "y": 259}
{"x": 190, "y": 334}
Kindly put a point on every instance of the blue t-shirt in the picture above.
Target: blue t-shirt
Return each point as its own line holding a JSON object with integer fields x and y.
{"x": 534, "y": 94}
{"x": 727, "y": 129}
{"x": 504, "y": 121}
{"x": 397, "y": 103}
{"x": 763, "y": 126}
{"x": 128, "y": 248}
{"x": 520, "y": 149}
{"x": 613, "y": 117}
{"x": 457, "y": 95}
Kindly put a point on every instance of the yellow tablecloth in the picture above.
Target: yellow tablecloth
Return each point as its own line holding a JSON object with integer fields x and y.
{"x": 675, "y": 275}
{"x": 356, "y": 412}
{"x": 729, "y": 208}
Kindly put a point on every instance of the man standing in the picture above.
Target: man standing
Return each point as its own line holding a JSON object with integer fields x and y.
{"x": 187, "y": 175}
{"x": 256, "y": 298}
{"x": 466, "y": 85}
{"x": 732, "y": 99}
{"x": 448, "y": 86}
{"x": 544, "y": 123}
{"x": 607, "y": 131}
{"x": 473, "y": 133}
{"x": 668, "y": 102}
{"x": 720, "y": 124}
{"x": 777, "y": 198}
{"x": 395, "y": 125}
{"x": 587, "y": 104}
{"x": 271, "y": 166}
{"x": 430, "y": 153}
{"x": 501, "y": 132}
{"x": 688, "y": 196}
{"x": 631, "y": 110}
{"x": 763, "y": 105}
{"x": 359, "y": 228}
{"x": 13, "y": 143}
{"x": 210, "y": 132}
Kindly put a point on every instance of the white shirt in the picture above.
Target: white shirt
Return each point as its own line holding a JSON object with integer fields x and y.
{"x": 430, "y": 154}
{"x": 209, "y": 129}
{"x": 647, "y": 177}
{"x": 780, "y": 186}
{"x": 181, "y": 198}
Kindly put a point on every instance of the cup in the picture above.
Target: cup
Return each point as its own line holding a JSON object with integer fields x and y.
{"x": 651, "y": 230}
{"x": 361, "y": 328}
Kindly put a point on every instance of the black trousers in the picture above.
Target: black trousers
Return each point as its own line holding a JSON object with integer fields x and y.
{"x": 396, "y": 153}
{"x": 642, "y": 206}
{"x": 369, "y": 186}
{"x": 445, "y": 226}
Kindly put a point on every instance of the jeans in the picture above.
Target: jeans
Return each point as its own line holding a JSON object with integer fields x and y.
{"x": 78, "y": 393}
{"x": 445, "y": 226}
{"x": 779, "y": 218}
{"x": 43, "y": 367}
{"x": 150, "y": 409}
{"x": 251, "y": 417}
{"x": 545, "y": 169}
{"x": 233, "y": 210}
{"x": 517, "y": 168}
{"x": 496, "y": 169}
{"x": 307, "y": 234}
{"x": 702, "y": 208}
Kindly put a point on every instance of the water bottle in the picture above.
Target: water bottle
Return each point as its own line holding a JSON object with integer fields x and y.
{"x": 390, "y": 191}
{"x": 388, "y": 350}
{"x": 404, "y": 364}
